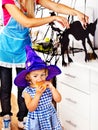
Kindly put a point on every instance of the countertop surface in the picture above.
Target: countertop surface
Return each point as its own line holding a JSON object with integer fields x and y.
{"x": 79, "y": 59}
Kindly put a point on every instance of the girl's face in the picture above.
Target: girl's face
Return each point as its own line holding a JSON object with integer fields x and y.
{"x": 38, "y": 75}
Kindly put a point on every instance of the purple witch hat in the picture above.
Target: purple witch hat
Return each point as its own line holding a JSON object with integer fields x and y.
{"x": 34, "y": 62}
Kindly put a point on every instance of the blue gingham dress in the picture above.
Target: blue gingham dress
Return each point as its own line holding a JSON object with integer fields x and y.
{"x": 45, "y": 116}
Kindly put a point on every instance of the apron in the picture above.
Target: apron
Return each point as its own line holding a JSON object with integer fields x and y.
{"x": 13, "y": 39}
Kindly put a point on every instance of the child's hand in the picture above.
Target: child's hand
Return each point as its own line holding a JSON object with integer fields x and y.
{"x": 41, "y": 83}
{"x": 49, "y": 84}
{"x": 63, "y": 21}
{"x": 40, "y": 87}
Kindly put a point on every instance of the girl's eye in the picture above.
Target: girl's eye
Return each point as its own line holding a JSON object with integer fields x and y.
{"x": 35, "y": 76}
{"x": 43, "y": 75}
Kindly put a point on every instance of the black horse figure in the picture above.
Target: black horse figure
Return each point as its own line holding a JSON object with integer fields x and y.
{"x": 80, "y": 33}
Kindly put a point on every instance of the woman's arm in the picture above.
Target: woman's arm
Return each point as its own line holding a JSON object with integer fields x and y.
{"x": 33, "y": 22}
{"x": 63, "y": 9}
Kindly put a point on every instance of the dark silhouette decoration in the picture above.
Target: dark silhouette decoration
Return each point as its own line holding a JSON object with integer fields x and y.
{"x": 80, "y": 33}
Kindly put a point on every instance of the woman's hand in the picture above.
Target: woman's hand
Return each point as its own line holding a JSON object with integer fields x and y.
{"x": 83, "y": 18}
{"x": 63, "y": 21}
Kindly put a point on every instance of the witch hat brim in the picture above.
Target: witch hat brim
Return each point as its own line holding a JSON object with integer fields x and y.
{"x": 21, "y": 81}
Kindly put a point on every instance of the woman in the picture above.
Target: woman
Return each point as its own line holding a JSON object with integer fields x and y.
{"x": 18, "y": 17}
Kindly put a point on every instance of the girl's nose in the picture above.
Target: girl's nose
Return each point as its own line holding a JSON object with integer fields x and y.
{"x": 39, "y": 78}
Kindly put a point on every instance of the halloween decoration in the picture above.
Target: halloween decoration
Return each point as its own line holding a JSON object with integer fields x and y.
{"x": 80, "y": 33}
{"x": 44, "y": 47}
{"x": 47, "y": 45}
{"x": 77, "y": 30}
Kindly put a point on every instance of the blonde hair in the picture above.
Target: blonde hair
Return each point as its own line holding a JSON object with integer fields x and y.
{"x": 29, "y": 5}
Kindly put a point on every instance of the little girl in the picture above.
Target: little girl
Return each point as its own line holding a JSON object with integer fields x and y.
{"x": 39, "y": 92}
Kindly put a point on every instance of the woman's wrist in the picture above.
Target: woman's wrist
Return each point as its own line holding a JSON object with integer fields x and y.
{"x": 54, "y": 18}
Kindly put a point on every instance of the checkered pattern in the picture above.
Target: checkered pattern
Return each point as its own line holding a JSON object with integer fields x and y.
{"x": 44, "y": 116}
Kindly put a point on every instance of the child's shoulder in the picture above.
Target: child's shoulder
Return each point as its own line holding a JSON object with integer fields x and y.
{"x": 29, "y": 89}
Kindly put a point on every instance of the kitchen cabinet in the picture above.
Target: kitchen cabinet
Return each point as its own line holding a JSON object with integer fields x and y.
{"x": 94, "y": 100}
{"x": 78, "y": 85}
